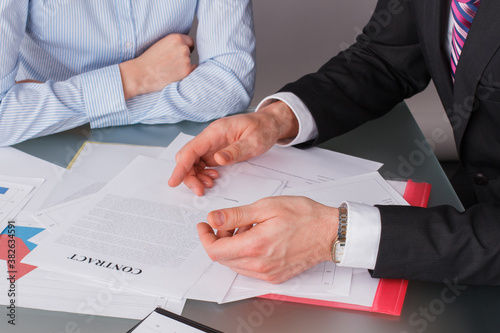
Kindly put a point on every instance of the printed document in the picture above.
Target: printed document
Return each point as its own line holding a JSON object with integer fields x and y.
{"x": 18, "y": 164}
{"x": 47, "y": 290}
{"x": 138, "y": 227}
{"x": 13, "y": 197}
{"x": 211, "y": 287}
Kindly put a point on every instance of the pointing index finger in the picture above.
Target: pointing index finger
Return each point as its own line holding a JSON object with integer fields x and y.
{"x": 186, "y": 158}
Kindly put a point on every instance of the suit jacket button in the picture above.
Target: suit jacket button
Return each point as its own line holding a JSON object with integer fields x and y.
{"x": 480, "y": 179}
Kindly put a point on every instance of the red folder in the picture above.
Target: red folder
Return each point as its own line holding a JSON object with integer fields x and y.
{"x": 390, "y": 293}
{"x": 417, "y": 194}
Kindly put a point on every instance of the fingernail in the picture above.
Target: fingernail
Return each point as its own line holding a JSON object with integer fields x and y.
{"x": 211, "y": 174}
{"x": 206, "y": 183}
{"x": 225, "y": 155}
{"x": 219, "y": 218}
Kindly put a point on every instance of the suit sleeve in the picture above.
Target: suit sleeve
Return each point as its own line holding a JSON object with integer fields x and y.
{"x": 440, "y": 243}
{"x": 381, "y": 69}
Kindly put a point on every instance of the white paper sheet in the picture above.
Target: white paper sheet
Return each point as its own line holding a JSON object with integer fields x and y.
{"x": 51, "y": 218}
{"x": 154, "y": 267}
{"x": 131, "y": 224}
{"x": 325, "y": 277}
{"x": 95, "y": 165}
{"x": 36, "y": 183}
{"x": 363, "y": 290}
{"x": 72, "y": 186}
{"x": 40, "y": 290}
{"x": 370, "y": 189}
{"x": 237, "y": 294}
{"x": 236, "y": 188}
{"x": 169, "y": 152}
{"x": 12, "y": 199}
{"x": 54, "y": 216}
{"x": 297, "y": 167}
{"x": 233, "y": 170}
{"x": 19, "y": 164}
{"x": 103, "y": 161}
{"x": 398, "y": 185}
{"x": 211, "y": 287}
{"x": 314, "y": 165}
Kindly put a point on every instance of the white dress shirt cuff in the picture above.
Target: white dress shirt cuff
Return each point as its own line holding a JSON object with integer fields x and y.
{"x": 307, "y": 126}
{"x": 104, "y": 98}
{"x": 363, "y": 236}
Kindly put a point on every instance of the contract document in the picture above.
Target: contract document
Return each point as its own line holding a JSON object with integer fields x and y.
{"x": 211, "y": 287}
{"x": 47, "y": 290}
{"x": 138, "y": 227}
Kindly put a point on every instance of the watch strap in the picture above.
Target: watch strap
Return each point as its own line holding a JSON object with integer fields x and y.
{"x": 339, "y": 244}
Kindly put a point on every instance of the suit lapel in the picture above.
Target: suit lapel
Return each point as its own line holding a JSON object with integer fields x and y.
{"x": 481, "y": 44}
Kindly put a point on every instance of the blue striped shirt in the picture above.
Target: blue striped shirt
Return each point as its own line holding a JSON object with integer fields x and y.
{"x": 74, "y": 48}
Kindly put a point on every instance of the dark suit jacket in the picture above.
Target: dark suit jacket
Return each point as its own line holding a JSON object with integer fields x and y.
{"x": 401, "y": 49}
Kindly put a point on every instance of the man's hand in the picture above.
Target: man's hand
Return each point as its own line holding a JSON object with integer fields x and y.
{"x": 291, "y": 235}
{"x": 230, "y": 140}
{"x": 167, "y": 61}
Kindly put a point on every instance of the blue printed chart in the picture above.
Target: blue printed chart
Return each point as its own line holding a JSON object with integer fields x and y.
{"x": 13, "y": 197}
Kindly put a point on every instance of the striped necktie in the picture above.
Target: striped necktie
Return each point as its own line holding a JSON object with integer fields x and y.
{"x": 463, "y": 14}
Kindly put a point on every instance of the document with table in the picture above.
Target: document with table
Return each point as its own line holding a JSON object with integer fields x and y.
{"x": 110, "y": 225}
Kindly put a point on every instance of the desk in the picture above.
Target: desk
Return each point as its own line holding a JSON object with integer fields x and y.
{"x": 394, "y": 140}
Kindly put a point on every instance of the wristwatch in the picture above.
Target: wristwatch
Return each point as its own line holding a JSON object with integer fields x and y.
{"x": 339, "y": 244}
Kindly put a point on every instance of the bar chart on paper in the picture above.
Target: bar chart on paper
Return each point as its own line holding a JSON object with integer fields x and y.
{"x": 13, "y": 196}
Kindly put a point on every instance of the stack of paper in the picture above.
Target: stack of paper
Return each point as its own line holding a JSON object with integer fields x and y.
{"x": 114, "y": 240}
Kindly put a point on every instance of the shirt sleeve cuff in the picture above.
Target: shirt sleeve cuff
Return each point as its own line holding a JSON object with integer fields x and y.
{"x": 307, "y": 126}
{"x": 363, "y": 236}
{"x": 104, "y": 98}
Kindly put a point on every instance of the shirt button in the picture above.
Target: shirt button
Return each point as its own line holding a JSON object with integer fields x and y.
{"x": 128, "y": 45}
{"x": 480, "y": 179}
